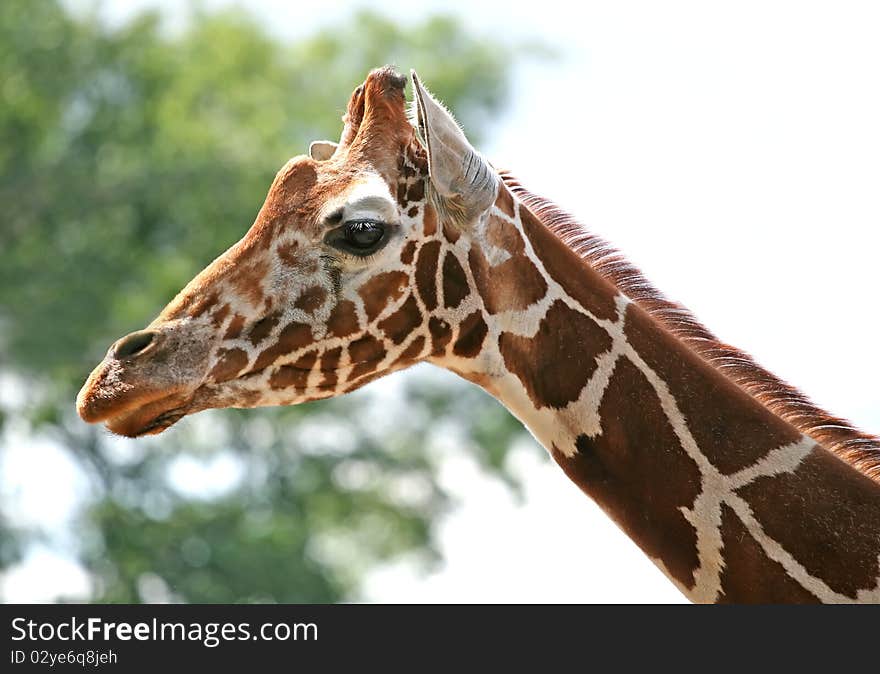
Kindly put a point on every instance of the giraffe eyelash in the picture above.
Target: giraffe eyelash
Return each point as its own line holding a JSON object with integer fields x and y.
{"x": 345, "y": 238}
{"x": 340, "y": 256}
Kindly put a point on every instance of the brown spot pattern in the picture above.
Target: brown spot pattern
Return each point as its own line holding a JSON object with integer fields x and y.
{"x": 413, "y": 351}
{"x": 416, "y": 191}
{"x": 626, "y": 469}
{"x": 749, "y": 575}
{"x": 733, "y": 435}
{"x": 235, "y": 327}
{"x": 262, "y": 328}
{"x": 366, "y": 349}
{"x": 555, "y": 365}
{"x": 381, "y": 290}
{"x": 287, "y": 253}
{"x": 825, "y": 514}
{"x": 296, "y": 375}
{"x": 502, "y": 234}
{"x": 219, "y": 315}
{"x": 343, "y": 319}
{"x": 329, "y": 365}
{"x": 361, "y": 369}
{"x": 426, "y": 274}
{"x": 471, "y": 335}
{"x": 451, "y": 232}
{"x": 292, "y": 338}
{"x": 311, "y": 299}
{"x": 577, "y": 278}
{"x": 402, "y": 322}
{"x": 330, "y": 359}
{"x": 441, "y": 334}
{"x": 408, "y": 252}
{"x": 455, "y": 284}
{"x": 229, "y": 363}
{"x": 429, "y": 221}
{"x": 246, "y": 279}
{"x": 513, "y": 285}
{"x": 417, "y": 156}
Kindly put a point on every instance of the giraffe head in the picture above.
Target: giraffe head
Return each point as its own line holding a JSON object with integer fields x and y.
{"x": 347, "y": 274}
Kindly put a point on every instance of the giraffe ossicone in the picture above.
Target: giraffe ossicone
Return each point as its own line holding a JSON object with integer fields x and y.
{"x": 402, "y": 244}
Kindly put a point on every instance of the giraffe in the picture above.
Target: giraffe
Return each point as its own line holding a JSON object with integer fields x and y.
{"x": 401, "y": 244}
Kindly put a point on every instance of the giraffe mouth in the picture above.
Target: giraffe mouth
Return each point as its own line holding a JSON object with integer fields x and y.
{"x": 146, "y": 420}
{"x": 133, "y": 416}
{"x": 163, "y": 422}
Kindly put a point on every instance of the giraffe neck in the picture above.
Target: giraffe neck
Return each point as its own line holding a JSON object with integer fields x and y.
{"x": 731, "y": 501}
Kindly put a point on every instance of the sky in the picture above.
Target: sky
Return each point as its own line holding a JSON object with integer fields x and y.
{"x": 732, "y": 151}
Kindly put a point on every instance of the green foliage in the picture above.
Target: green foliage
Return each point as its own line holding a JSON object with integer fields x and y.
{"x": 129, "y": 159}
{"x": 10, "y": 545}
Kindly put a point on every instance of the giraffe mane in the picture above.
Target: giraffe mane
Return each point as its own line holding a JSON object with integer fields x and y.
{"x": 859, "y": 449}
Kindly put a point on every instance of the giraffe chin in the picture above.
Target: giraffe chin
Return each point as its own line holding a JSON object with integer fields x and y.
{"x": 149, "y": 419}
{"x": 123, "y": 426}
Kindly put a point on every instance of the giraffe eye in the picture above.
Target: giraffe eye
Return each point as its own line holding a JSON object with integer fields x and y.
{"x": 358, "y": 237}
{"x": 363, "y": 234}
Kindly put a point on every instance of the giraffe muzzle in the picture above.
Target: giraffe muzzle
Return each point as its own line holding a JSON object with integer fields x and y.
{"x": 147, "y": 379}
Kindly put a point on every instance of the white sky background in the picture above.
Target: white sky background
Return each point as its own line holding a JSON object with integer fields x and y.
{"x": 732, "y": 151}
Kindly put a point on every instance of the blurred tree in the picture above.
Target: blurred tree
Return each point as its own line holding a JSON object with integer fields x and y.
{"x": 128, "y": 160}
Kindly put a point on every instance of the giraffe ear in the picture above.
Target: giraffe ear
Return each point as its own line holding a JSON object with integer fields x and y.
{"x": 465, "y": 181}
{"x": 322, "y": 150}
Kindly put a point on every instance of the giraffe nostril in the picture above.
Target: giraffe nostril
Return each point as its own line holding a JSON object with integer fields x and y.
{"x": 133, "y": 344}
